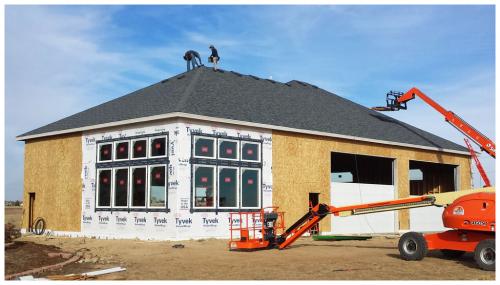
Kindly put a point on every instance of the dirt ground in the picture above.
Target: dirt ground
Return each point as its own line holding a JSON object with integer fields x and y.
{"x": 27, "y": 255}
{"x": 22, "y": 256}
{"x": 373, "y": 259}
{"x": 13, "y": 215}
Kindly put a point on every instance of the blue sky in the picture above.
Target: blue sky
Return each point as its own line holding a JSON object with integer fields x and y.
{"x": 63, "y": 59}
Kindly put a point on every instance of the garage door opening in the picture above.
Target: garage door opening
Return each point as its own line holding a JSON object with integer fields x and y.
{"x": 431, "y": 178}
{"x": 364, "y": 169}
{"x": 359, "y": 179}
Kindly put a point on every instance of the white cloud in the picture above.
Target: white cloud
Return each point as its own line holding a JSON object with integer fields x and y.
{"x": 57, "y": 64}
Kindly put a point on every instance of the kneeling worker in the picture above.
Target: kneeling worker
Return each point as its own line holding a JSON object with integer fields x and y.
{"x": 190, "y": 56}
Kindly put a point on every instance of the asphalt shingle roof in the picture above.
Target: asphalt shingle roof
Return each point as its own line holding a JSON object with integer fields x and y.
{"x": 230, "y": 95}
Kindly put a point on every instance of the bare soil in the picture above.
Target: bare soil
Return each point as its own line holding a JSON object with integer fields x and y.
{"x": 22, "y": 256}
{"x": 373, "y": 259}
{"x": 13, "y": 215}
{"x": 26, "y": 255}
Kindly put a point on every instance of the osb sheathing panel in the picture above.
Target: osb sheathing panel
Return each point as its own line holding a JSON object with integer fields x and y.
{"x": 52, "y": 170}
{"x": 301, "y": 164}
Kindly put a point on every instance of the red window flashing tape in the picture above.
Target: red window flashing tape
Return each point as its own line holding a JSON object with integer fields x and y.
{"x": 250, "y": 181}
{"x": 249, "y": 151}
{"x": 105, "y": 180}
{"x": 121, "y": 182}
{"x": 138, "y": 181}
{"x": 204, "y": 179}
{"x": 122, "y": 149}
{"x": 229, "y": 151}
{"x": 157, "y": 145}
{"x": 204, "y": 149}
{"x": 227, "y": 179}
{"x": 158, "y": 175}
{"x": 105, "y": 151}
{"x": 139, "y": 148}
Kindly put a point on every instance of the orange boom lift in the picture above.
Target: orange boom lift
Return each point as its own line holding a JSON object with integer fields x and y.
{"x": 469, "y": 214}
{"x": 397, "y": 101}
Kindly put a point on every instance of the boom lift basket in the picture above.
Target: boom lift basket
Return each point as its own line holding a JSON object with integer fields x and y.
{"x": 255, "y": 230}
{"x": 392, "y": 103}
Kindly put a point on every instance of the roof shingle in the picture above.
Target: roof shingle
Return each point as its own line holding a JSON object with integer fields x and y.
{"x": 230, "y": 95}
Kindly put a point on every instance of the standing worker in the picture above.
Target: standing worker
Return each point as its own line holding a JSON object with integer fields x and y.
{"x": 214, "y": 57}
{"x": 190, "y": 56}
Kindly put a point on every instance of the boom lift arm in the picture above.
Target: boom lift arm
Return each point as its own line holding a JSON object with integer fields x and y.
{"x": 317, "y": 213}
{"x": 478, "y": 164}
{"x": 397, "y": 101}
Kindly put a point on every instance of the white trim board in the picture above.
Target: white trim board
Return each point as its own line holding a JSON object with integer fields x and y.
{"x": 234, "y": 122}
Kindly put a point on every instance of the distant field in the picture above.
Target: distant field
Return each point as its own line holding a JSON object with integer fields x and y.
{"x": 14, "y": 215}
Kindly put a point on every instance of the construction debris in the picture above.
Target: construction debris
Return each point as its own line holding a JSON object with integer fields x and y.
{"x": 87, "y": 275}
{"x": 43, "y": 268}
{"x": 178, "y": 246}
{"x": 11, "y": 233}
{"x": 68, "y": 277}
{"x": 88, "y": 257}
{"x": 31, "y": 278}
{"x": 64, "y": 255}
{"x": 105, "y": 271}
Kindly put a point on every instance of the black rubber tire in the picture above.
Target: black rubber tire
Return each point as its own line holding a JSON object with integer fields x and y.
{"x": 39, "y": 226}
{"x": 484, "y": 254}
{"x": 449, "y": 253}
{"x": 412, "y": 246}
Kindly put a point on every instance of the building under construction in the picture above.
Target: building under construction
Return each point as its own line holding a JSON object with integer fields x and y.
{"x": 171, "y": 160}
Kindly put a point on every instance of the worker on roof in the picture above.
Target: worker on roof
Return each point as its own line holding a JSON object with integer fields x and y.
{"x": 190, "y": 57}
{"x": 214, "y": 57}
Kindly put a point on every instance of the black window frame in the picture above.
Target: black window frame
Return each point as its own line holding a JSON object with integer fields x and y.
{"x": 142, "y": 162}
{"x": 215, "y": 185}
{"x": 250, "y": 160}
{"x": 98, "y": 188}
{"x": 150, "y": 149}
{"x": 237, "y": 150}
{"x": 148, "y": 202}
{"x": 113, "y": 195}
{"x": 214, "y": 147}
{"x": 146, "y": 183}
{"x": 237, "y": 182}
{"x": 216, "y": 162}
{"x": 115, "y": 153}
{"x": 98, "y": 150}
{"x": 132, "y": 141}
{"x": 259, "y": 188}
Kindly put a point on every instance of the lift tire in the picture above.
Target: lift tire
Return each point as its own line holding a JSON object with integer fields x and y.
{"x": 484, "y": 254}
{"x": 449, "y": 253}
{"x": 412, "y": 246}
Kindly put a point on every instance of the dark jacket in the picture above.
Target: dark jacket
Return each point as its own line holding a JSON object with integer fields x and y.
{"x": 214, "y": 53}
{"x": 193, "y": 53}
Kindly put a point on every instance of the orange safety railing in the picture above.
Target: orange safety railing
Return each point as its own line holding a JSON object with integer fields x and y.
{"x": 247, "y": 229}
